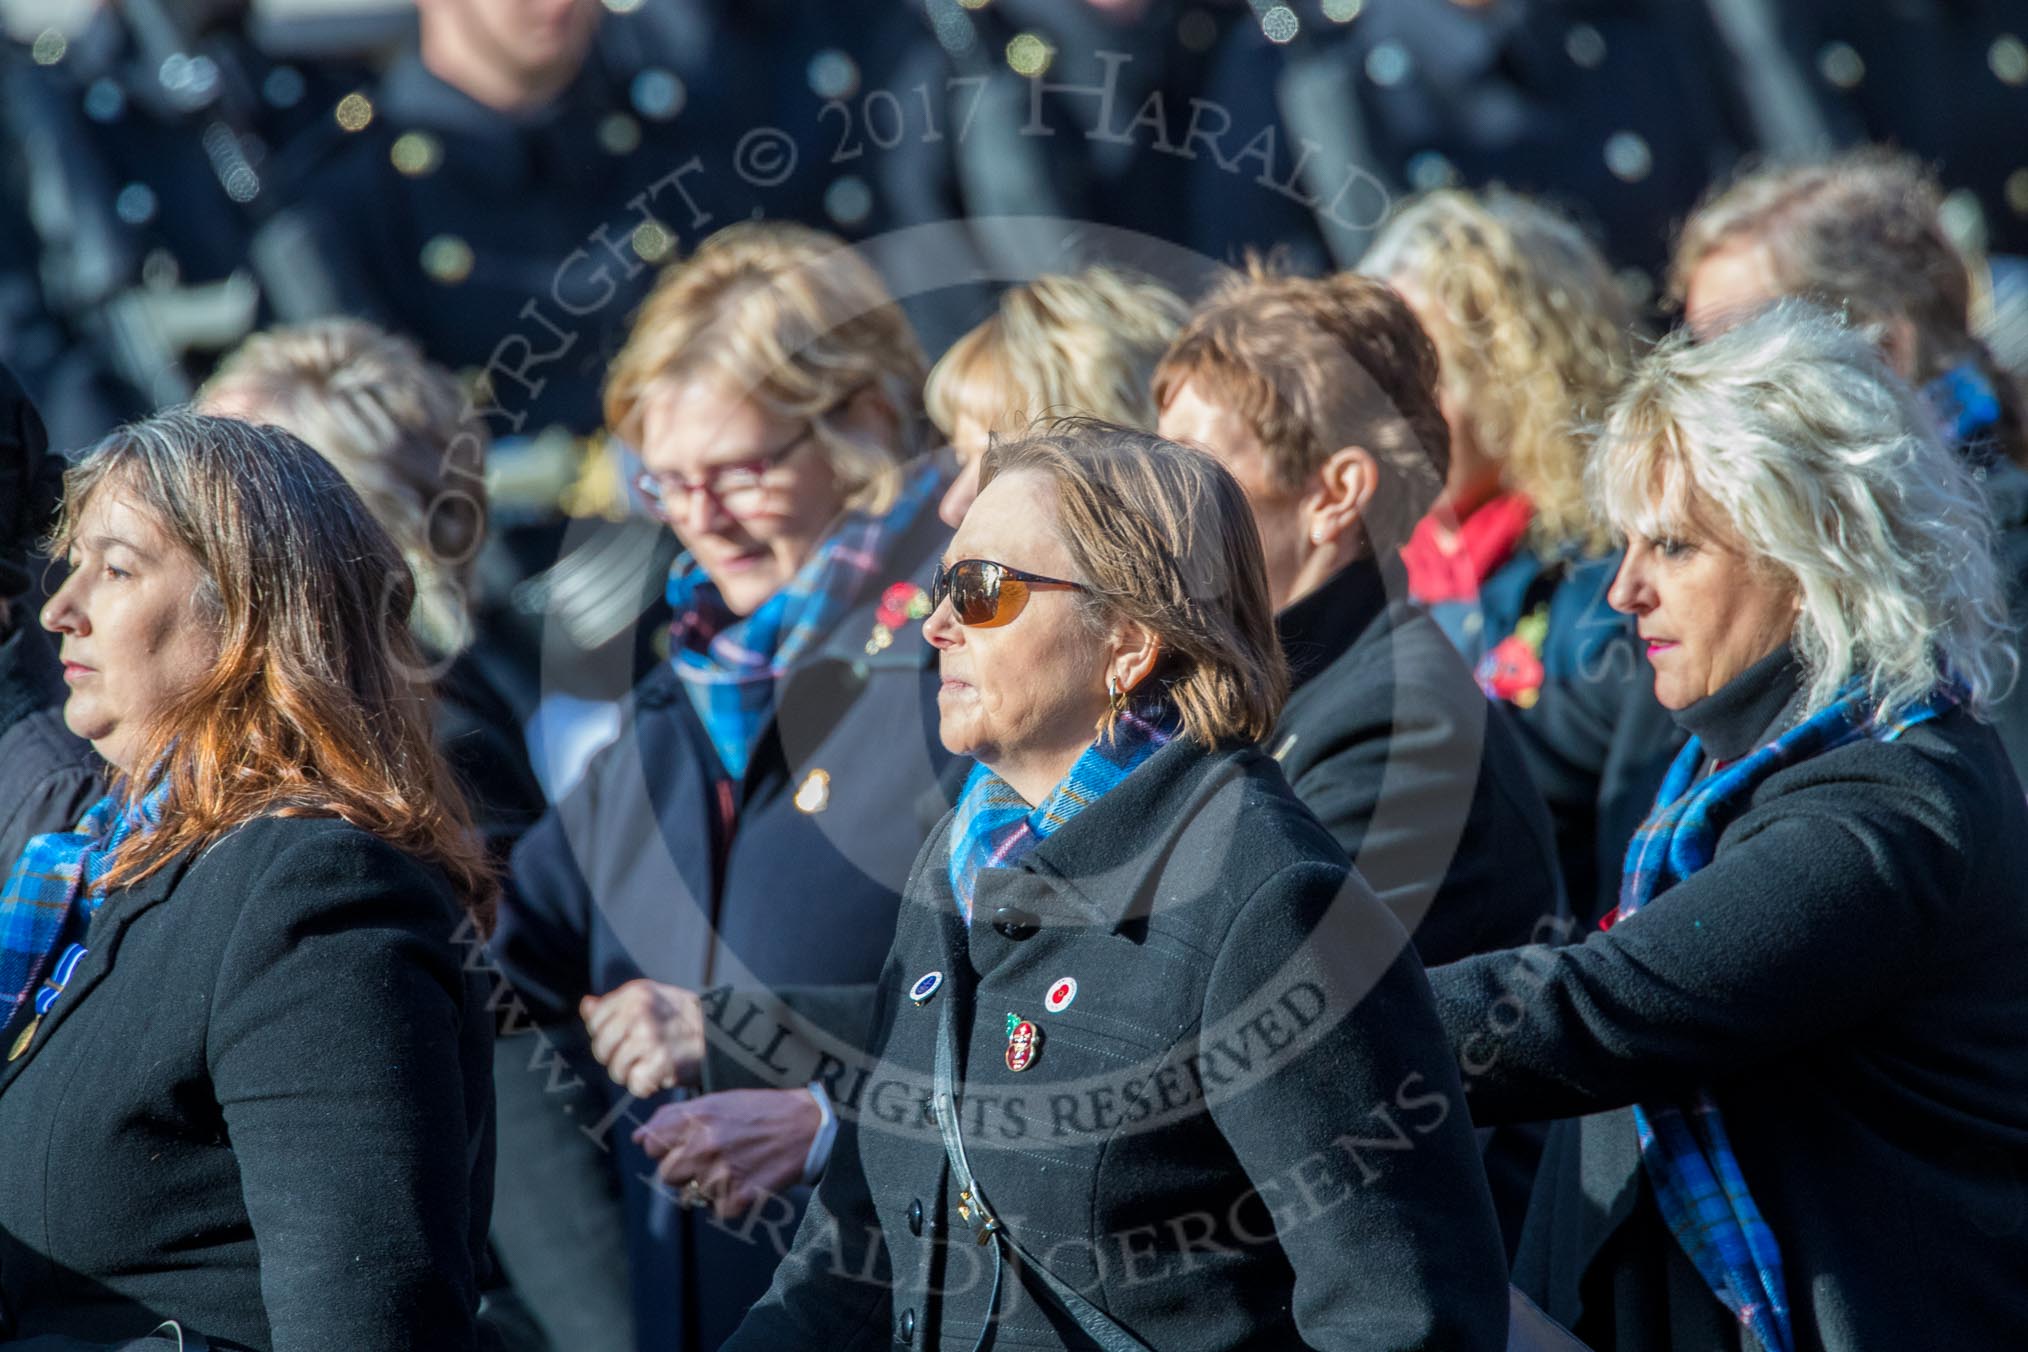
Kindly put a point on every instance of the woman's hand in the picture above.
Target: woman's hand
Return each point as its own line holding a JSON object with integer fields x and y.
{"x": 738, "y": 1148}
{"x": 648, "y": 1036}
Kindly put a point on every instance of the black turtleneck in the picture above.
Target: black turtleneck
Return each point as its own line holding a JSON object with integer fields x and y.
{"x": 1747, "y": 710}
{"x": 1318, "y": 628}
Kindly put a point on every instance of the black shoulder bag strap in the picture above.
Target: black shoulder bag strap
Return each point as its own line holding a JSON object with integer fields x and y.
{"x": 972, "y": 1207}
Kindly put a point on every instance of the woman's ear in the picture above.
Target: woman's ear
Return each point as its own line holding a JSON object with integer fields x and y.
{"x": 1898, "y": 344}
{"x": 1135, "y": 653}
{"x": 1343, "y": 489}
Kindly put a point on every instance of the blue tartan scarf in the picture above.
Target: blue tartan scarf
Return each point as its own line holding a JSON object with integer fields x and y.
{"x": 729, "y": 665}
{"x": 1965, "y": 405}
{"x": 1688, "y": 1155}
{"x": 996, "y": 828}
{"x": 51, "y": 896}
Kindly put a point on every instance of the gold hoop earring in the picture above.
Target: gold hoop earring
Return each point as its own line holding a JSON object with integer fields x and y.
{"x": 1114, "y": 694}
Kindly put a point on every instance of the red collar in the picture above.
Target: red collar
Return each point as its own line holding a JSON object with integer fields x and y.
{"x": 1449, "y": 560}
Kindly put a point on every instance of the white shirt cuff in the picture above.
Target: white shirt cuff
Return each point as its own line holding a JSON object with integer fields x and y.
{"x": 827, "y": 1136}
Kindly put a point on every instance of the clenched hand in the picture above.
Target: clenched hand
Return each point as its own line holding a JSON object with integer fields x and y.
{"x": 739, "y": 1147}
{"x": 648, "y": 1036}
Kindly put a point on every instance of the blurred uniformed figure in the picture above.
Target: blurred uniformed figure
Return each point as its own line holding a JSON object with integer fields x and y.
{"x": 1946, "y": 80}
{"x": 508, "y": 190}
{"x": 1620, "y": 111}
{"x": 505, "y": 196}
{"x": 1100, "y": 113}
{"x": 1295, "y": 126}
{"x": 478, "y": 197}
{"x": 138, "y": 155}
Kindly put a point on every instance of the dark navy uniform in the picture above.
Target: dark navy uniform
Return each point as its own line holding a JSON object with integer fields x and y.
{"x": 493, "y": 241}
{"x": 1620, "y": 111}
{"x": 525, "y": 242}
{"x": 142, "y": 162}
{"x": 1063, "y": 138}
{"x": 1944, "y": 79}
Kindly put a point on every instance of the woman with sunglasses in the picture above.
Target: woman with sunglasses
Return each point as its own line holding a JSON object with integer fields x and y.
{"x": 1155, "y": 1068}
{"x": 751, "y": 828}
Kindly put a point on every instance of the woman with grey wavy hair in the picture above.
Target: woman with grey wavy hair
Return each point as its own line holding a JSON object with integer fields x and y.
{"x": 1863, "y": 234}
{"x": 1827, "y": 473}
{"x": 1799, "y": 1036}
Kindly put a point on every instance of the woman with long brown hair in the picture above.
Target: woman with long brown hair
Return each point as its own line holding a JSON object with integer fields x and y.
{"x": 247, "y": 1091}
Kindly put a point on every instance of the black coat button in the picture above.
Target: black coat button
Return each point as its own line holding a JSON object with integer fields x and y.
{"x": 1015, "y": 923}
{"x": 915, "y": 1217}
{"x": 908, "y": 1326}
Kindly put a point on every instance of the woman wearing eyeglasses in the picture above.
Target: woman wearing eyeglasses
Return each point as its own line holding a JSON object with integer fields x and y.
{"x": 751, "y": 828}
{"x": 1156, "y": 1069}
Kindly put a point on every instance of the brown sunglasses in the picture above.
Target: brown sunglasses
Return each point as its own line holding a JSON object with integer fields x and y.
{"x": 984, "y": 594}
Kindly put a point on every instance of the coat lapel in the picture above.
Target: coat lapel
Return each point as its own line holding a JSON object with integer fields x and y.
{"x": 108, "y": 927}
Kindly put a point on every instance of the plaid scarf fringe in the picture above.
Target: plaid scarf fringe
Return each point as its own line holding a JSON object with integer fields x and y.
{"x": 1699, "y": 1187}
{"x": 55, "y": 889}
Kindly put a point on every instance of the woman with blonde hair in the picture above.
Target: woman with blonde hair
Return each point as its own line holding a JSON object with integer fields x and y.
{"x": 1792, "y": 1070}
{"x": 753, "y": 824}
{"x": 1155, "y": 1020}
{"x": 1533, "y": 339}
{"x": 1080, "y": 344}
{"x": 247, "y": 1094}
{"x": 1863, "y": 234}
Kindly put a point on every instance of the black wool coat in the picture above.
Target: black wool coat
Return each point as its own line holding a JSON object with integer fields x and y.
{"x": 1241, "y": 1132}
{"x": 262, "y": 1108}
{"x": 1419, "y": 777}
{"x": 1846, "y": 978}
{"x": 1422, "y": 780}
{"x": 480, "y": 738}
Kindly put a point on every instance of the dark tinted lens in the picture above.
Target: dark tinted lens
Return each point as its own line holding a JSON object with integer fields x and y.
{"x": 975, "y": 591}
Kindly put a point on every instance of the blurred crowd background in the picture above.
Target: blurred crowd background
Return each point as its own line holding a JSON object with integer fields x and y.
{"x": 502, "y": 180}
{"x": 498, "y": 178}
